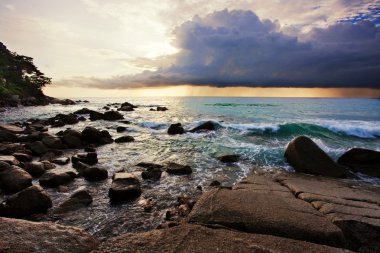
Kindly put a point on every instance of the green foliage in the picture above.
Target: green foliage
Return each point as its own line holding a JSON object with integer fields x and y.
{"x": 19, "y": 76}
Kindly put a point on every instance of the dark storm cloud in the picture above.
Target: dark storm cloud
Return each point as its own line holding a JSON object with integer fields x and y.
{"x": 236, "y": 48}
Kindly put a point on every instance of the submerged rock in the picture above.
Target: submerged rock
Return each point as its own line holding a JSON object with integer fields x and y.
{"x": 229, "y": 158}
{"x": 305, "y": 156}
{"x": 176, "y": 129}
{"x": 31, "y": 200}
{"x": 18, "y": 236}
{"x": 152, "y": 173}
{"x": 78, "y": 200}
{"x": 362, "y": 160}
{"x": 206, "y": 126}
{"x": 178, "y": 169}
{"x": 125, "y": 187}
{"x": 112, "y": 115}
{"x": 124, "y": 139}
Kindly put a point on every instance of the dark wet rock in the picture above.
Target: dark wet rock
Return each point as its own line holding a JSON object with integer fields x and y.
{"x": 13, "y": 178}
{"x": 152, "y": 173}
{"x": 80, "y": 166}
{"x": 262, "y": 205}
{"x": 30, "y": 137}
{"x": 93, "y": 173}
{"x": 22, "y": 157}
{"x": 120, "y": 129}
{"x": 126, "y": 108}
{"x": 6, "y": 136}
{"x": 128, "y": 104}
{"x": 125, "y": 121}
{"x": 229, "y": 158}
{"x": 83, "y": 111}
{"x": 353, "y": 207}
{"x": 106, "y": 108}
{"x": 53, "y": 142}
{"x": 10, "y": 159}
{"x": 194, "y": 238}
{"x": 35, "y": 169}
{"x": 176, "y": 129}
{"x": 125, "y": 187}
{"x": 112, "y": 115}
{"x": 80, "y": 199}
{"x": 206, "y": 126}
{"x": 11, "y": 148}
{"x": 81, "y": 118}
{"x": 48, "y": 165}
{"x": 61, "y": 160}
{"x": 215, "y": 183}
{"x": 72, "y": 141}
{"x": 149, "y": 165}
{"x": 89, "y": 158}
{"x": 37, "y": 148}
{"x": 362, "y": 160}
{"x": 161, "y": 108}
{"x": 96, "y": 115}
{"x": 54, "y": 179}
{"x": 91, "y": 134}
{"x": 178, "y": 169}
{"x": 31, "y": 200}
{"x": 124, "y": 139}
{"x": 90, "y": 148}
{"x": 19, "y": 236}
{"x": 305, "y": 156}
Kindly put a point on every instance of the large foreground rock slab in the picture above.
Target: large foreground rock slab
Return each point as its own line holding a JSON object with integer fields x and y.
{"x": 260, "y": 205}
{"x": 192, "y": 238}
{"x": 19, "y": 236}
{"x": 352, "y": 206}
{"x": 305, "y": 156}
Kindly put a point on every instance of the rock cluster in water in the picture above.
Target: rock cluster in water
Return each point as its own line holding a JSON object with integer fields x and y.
{"x": 312, "y": 210}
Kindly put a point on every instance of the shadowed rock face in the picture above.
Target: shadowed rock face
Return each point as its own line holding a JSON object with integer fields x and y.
{"x": 19, "y": 236}
{"x": 362, "y": 160}
{"x": 265, "y": 207}
{"x": 305, "y": 156}
{"x": 193, "y": 238}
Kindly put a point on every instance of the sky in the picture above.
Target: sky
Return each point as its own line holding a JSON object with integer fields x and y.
{"x": 200, "y": 48}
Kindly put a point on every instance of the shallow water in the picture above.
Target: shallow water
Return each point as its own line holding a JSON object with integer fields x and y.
{"x": 256, "y": 128}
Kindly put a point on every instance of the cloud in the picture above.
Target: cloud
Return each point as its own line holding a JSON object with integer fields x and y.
{"x": 236, "y": 48}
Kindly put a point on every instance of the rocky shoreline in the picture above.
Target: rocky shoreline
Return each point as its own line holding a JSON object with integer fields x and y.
{"x": 320, "y": 208}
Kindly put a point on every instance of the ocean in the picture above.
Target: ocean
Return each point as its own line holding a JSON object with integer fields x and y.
{"x": 258, "y": 129}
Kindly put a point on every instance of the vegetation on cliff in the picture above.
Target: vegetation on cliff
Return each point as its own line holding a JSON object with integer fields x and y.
{"x": 19, "y": 76}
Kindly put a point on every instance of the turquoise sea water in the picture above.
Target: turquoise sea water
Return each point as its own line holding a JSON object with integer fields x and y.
{"x": 256, "y": 128}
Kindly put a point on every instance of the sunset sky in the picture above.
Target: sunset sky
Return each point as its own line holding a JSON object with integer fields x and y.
{"x": 200, "y": 48}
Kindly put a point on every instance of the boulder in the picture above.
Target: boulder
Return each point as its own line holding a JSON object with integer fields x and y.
{"x": 19, "y": 236}
{"x": 54, "y": 179}
{"x": 72, "y": 141}
{"x": 53, "y": 142}
{"x": 93, "y": 173}
{"x": 11, "y": 148}
{"x": 83, "y": 111}
{"x": 178, "y": 169}
{"x": 305, "y": 156}
{"x": 161, "y": 108}
{"x": 35, "y": 169}
{"x": 128, "y": 104}
{"x": 194, "y": 238}
{"x": 206, "y": 126}
{"x": 262, "y": 205}
{"x": 152, "y": 173}
{"x": 91, "y": 135}
{"x": 126, "y": 108}
{"x": 23, "y": 157}
{"x": 31, "y": 200}
{"x": 124, "y": 139}
{"x": 362, "y": 160}
{"x": 89, "y": 158}
{"x": 229, "y": 158}
{"x": 112, "y": 115}
{"x": 61, "y": 160}
{"x": 78, "y": 200}
{"x": 125, "y": 187}
{"x": 10, "y": 159}
{"x": 48, "y": 165}
{"x": 176, "y": 129}
{"x": 37, "y": 148}
{"x": 149, "y": 165}
{"x": 96, "y": 115}
{"x": 13, "y": 178}
{"x": 6, "y": 136}
{"x": 120, "y": 129}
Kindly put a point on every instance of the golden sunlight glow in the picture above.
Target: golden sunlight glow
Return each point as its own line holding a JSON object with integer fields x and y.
{"x": 188, "y": 90}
